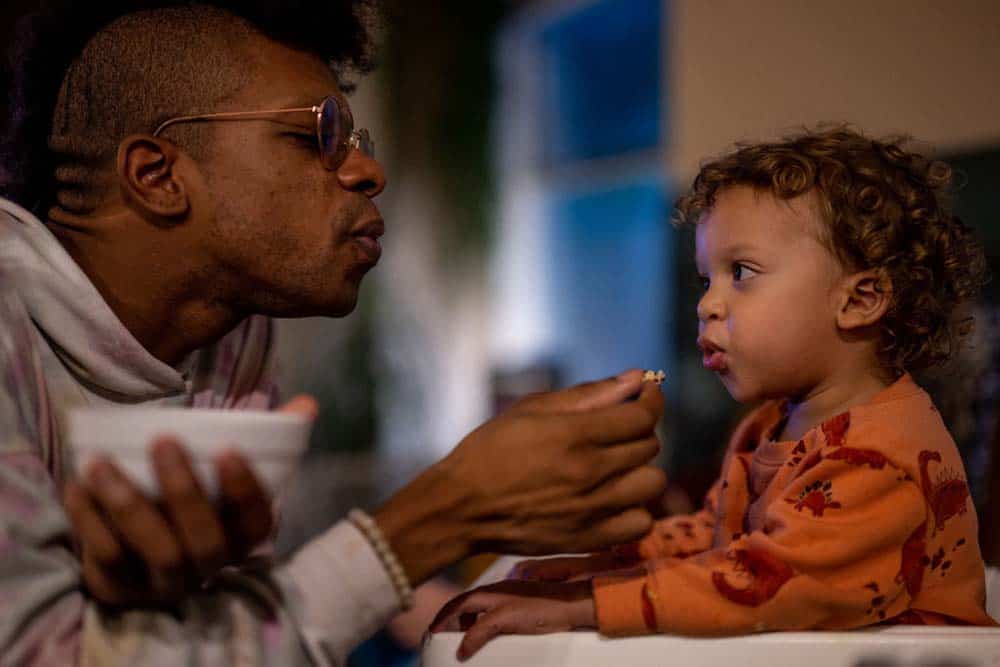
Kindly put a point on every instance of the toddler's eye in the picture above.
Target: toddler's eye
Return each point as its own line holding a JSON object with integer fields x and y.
{"x": 742, "y": 272}
{"x": 704, "y": 282}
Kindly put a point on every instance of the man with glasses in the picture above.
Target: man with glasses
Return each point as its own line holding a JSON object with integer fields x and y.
{"x": 203, "y": 175}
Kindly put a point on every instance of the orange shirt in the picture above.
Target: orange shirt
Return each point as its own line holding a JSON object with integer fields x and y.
{"x": 866, "y": 519}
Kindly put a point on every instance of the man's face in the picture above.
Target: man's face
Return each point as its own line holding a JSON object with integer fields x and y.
{"x": 289, "y": 237}
{"x": 767, "y": 319}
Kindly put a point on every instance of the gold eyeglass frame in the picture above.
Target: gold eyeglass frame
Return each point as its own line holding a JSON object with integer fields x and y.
{"x": 358, "y": 139}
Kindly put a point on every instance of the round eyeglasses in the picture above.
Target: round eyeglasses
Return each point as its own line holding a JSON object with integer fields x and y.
{"x": 335, "y": 133}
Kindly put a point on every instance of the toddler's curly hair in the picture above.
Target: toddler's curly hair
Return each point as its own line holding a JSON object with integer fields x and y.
{"x": 883, "y": 207}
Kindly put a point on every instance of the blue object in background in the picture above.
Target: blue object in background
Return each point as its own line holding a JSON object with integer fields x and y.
{"x": 603, "y": 77}
{"x": 609, "y": 245}
{"x": 609, "y": 272}
{"x": 382, "y": 651}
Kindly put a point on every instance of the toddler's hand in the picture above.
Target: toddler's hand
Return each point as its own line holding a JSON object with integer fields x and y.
{"x": 516, "y": 607}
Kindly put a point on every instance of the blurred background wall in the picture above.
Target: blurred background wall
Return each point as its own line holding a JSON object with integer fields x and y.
{"x": 534, "y": 150}
{"x": 751, "y": 69}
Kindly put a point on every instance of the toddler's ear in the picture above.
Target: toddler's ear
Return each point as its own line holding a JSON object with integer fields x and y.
{"x": 864, "y": 299}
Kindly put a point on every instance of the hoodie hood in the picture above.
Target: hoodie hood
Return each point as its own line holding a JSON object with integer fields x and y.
{"x": 73, "y": 317}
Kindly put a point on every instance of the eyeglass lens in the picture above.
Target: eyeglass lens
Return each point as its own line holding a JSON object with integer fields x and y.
{"x": 335, "y": 127}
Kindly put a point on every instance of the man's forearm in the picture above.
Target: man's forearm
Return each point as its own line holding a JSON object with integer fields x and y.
{"x": 424, "y": 523}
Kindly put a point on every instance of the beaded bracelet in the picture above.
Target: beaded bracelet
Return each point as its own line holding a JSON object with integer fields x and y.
{"x": 373, "y": 533}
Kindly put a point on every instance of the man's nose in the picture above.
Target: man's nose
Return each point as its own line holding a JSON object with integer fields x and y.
{"x": 361, "y": 173}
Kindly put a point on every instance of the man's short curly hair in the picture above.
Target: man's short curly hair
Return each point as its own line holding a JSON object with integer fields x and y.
{"x": 883, "y": 207}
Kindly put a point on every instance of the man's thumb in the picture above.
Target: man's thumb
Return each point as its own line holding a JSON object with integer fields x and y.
{"x": 589, "y": 395}
{"x": 303, "y": 404}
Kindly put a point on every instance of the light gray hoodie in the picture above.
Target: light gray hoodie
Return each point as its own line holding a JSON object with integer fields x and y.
{"x": 62, "y": 346}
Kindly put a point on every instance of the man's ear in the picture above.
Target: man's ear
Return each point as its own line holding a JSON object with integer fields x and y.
{"x": 865, "y": 299}
{"x": 148, "y": 177}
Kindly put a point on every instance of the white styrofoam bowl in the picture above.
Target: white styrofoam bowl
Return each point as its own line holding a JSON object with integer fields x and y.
{"x": 272, "y": 442}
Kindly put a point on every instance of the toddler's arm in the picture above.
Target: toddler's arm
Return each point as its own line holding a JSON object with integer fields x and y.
{"x": 828, "y": 557}
{"x": 677, "y": 536}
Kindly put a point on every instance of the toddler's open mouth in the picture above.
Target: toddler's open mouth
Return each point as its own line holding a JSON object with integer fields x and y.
{"x": 713, "y": 357}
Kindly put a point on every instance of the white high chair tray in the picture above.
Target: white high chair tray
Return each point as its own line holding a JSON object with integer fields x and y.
{"x": 900, "y": 646}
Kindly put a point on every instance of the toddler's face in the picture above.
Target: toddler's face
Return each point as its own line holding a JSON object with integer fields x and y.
{"x": 767, "y": 317}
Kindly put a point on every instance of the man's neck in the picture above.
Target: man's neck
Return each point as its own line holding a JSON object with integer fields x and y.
{"x": 835, "y": 394}
{"x": 158, "y": 290}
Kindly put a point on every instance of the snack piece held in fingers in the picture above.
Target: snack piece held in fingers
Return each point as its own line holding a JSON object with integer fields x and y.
{"x": 654, "y": 376}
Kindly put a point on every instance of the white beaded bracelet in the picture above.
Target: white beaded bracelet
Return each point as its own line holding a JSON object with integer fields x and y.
{"x": 373, "y": 533}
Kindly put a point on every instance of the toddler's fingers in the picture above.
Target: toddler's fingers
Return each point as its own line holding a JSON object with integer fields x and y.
{"x": 502, "y": 620}
{"x": 449, "y": 618}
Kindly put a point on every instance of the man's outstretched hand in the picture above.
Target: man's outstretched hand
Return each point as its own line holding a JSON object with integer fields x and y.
{"x": 139, "y": 552}
{"x": 561, "y": 472}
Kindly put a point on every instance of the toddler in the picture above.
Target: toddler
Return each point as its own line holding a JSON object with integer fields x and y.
{"x": 831, "y": 269}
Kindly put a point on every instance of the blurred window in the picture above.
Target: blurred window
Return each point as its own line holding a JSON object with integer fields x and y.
{"x": 585, "y": 248}
{"x": 609, "y": 269}
{"x": 602, "y": 66}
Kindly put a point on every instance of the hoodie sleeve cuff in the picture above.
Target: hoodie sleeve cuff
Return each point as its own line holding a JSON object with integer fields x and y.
{"x": 623, "y": 605}
{"x": 343, "y": 590}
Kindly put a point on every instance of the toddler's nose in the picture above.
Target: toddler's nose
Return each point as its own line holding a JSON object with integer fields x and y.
{"x": 710, "y": 307}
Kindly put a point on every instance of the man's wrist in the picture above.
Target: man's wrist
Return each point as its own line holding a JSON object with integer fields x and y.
{"x": 423, "y": 525}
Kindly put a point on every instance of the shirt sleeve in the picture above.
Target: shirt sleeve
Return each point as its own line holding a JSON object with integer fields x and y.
{"x": 312, "y": 609}
{"x": 827, "y": 557}
{"x": 679, "y": 536}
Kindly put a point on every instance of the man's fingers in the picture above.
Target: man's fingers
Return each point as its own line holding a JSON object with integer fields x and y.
{"x": 139, "y": 524}
{"x": 586, "y": 396}
{"x": 548, "y": 569}
{"x": 190, "y": 511}
{"x": 626, "y": 526}
{"x": 623, "y": 457}
{"x": 244, "y": 504}
{"x": 624, "y": 422}
{"x": 90, "y": 527}
{"x": 636, "y": 487}
{"x": 303, "y": 404}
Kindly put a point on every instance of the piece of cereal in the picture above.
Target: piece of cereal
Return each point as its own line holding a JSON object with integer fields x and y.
{"x": 654, "y": 376}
